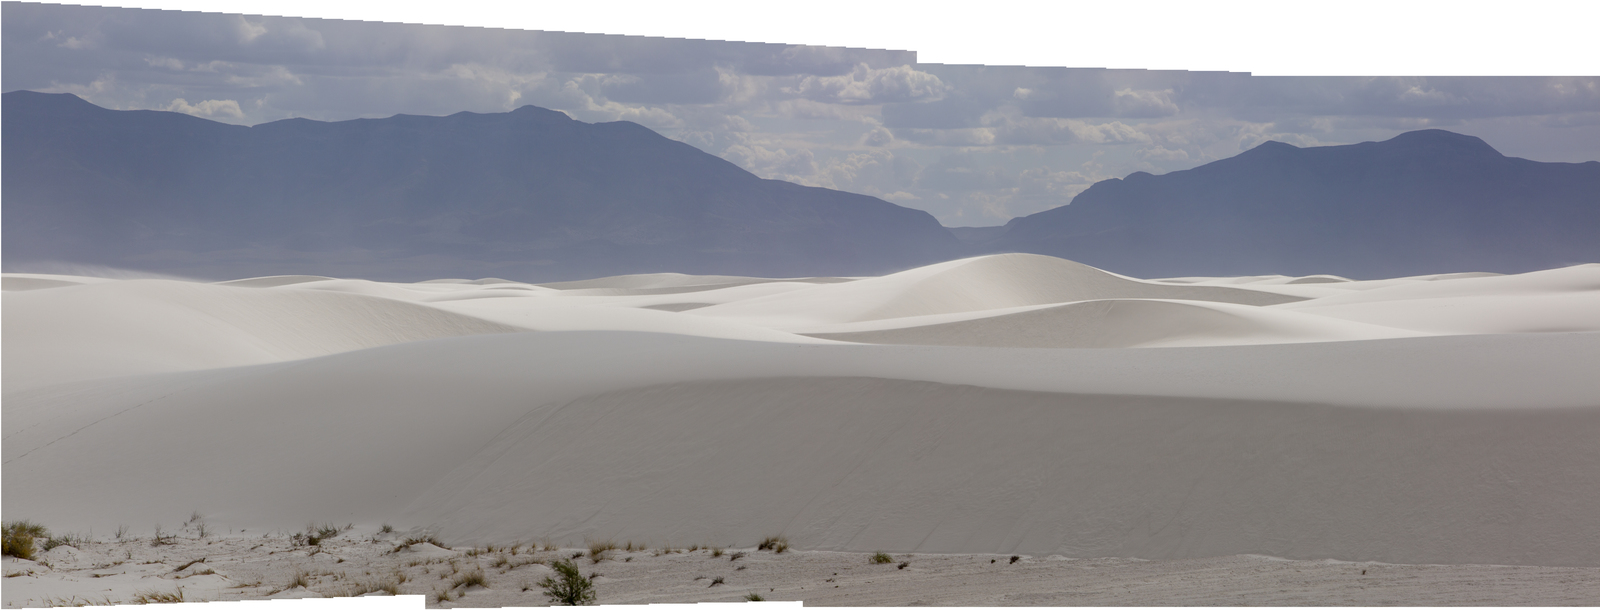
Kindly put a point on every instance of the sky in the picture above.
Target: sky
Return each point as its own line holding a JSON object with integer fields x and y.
{"x": 974, "y": 145}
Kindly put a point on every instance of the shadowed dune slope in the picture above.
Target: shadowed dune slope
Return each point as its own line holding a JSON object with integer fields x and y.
{"x": 151, "y": 326}
{"x": 1472, "y": 449}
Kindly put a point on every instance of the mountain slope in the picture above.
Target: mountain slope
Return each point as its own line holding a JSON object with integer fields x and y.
{"x": 1426, "y": 201}
{"x": 530, "y": 193}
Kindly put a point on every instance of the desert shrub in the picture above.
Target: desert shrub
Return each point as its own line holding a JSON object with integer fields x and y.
{"x": 754, "y": 597}
{"x": 572, "y": 589}
{"x": 882, "y": 558}
{"x": 386, "y": 529}
{"x": 903, "y": 565}
{"x": 1016, "y": 558}
{"x": 715, "y": 581}
{"x": 19, "y": 537}
{"x": 716, "y": 551}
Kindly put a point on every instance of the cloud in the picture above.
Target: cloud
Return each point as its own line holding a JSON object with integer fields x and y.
{"x": 208, "y": 109}
{"x": 1161, "y": 153}
{"x": 867, "y": 85}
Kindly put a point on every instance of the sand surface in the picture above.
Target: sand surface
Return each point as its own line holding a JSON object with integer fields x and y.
{"x": 1007, "y": 404}
{"x": 242, "y": 565}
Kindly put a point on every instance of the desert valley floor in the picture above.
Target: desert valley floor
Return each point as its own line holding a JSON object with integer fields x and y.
{"x": 1252, "y": 440}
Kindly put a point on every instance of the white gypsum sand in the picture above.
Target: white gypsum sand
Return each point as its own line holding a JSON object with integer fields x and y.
{"x": 1007, "y": 404}
{"x": 364, "y": 561}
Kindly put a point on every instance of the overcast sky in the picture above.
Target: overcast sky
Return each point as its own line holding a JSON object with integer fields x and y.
{"x": 973, "y": 145}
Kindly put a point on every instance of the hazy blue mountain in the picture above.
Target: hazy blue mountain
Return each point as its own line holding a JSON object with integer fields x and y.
{"x": 1422, "y": 202}
{"x": 528, "y": 194}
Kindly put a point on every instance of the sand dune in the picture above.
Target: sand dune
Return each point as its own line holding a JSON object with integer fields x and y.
{"x": 151, "y": 326}
{"x": 1127, "y": 323}
{"x": 985, "y": 282}
{"x": 985, "y": 405}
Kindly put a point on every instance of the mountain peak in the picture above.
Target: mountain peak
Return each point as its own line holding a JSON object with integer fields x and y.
{"x": 1437, "y": 139}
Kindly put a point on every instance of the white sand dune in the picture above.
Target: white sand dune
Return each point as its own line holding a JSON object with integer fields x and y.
{"x": 151, "y": 326}
{"x": 1124, "y": 323}
{"x": 1432, "y": 420}
{"x": 986, "y": 282}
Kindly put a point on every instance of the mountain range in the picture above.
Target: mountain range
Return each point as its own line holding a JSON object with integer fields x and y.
{"x": 534, "y": 195}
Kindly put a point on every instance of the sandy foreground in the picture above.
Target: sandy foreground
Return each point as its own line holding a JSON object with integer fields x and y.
{"x": 1251, "y": 440}
{"x": 240, "y": 566}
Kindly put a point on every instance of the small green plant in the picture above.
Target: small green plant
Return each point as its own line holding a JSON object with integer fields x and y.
{"x": 776, "y": 544}
{"x": 572, "y": 589}
{"x": 754, "y": 597}
{"x": 882, "y": 558}
{"x": 19, "y": 537}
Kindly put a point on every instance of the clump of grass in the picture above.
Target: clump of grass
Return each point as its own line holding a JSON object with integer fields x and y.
{"x": 1016, "y": 558}
{"x": 468, "y": 579}
{"x": 19, "y": 537}
{"x": 714, "y": 582}
{"x": 776, "y": 544}
{"x": 716, "y": 551}
{"x": 160, "y": 538}
{"x": 881, "y": 557}
{"x": 301, "y": 579}
{"x": 572, "y": 589}
{"x": 754, "y": 597}
{"x": 441, "y": 596}
{"x": 736, "y": 556}
{"x": 903, "y": 565}
{"x": 156, "y": 597}
{"x": 386, "y": 529}
{"x": 598, "y": 549}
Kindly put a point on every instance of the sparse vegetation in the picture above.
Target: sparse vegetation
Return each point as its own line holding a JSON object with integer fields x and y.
{"x": 154, "y": 597}
{"x": 572, "y": 589}
{"x": 468, "y": 579}
{"x": 882, "y": 558}
{"x": 386, "y": 529}
{"x": 19, "y": 538}
{"x": 714, "y": 582}
{"x": 754, "y": 597}
{"x": 1016, "y": 558}
{"x": 716, "y": 551}
{"x": 776, "y": 544}
{"x": 161, "y": 538}
{"x": 736, "y": 556}
{"x": 598, "y": 549}
{"x": 903, "y": 565}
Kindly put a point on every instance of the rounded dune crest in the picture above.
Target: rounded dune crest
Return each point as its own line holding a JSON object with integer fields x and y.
{"x": 1114, "y": 323}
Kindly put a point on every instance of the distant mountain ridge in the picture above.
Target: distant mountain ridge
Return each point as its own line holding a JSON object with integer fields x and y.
{"x": 1423, "y": 202}
{"x": 530, "y": 194}
{"x": 534, "y": 195}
